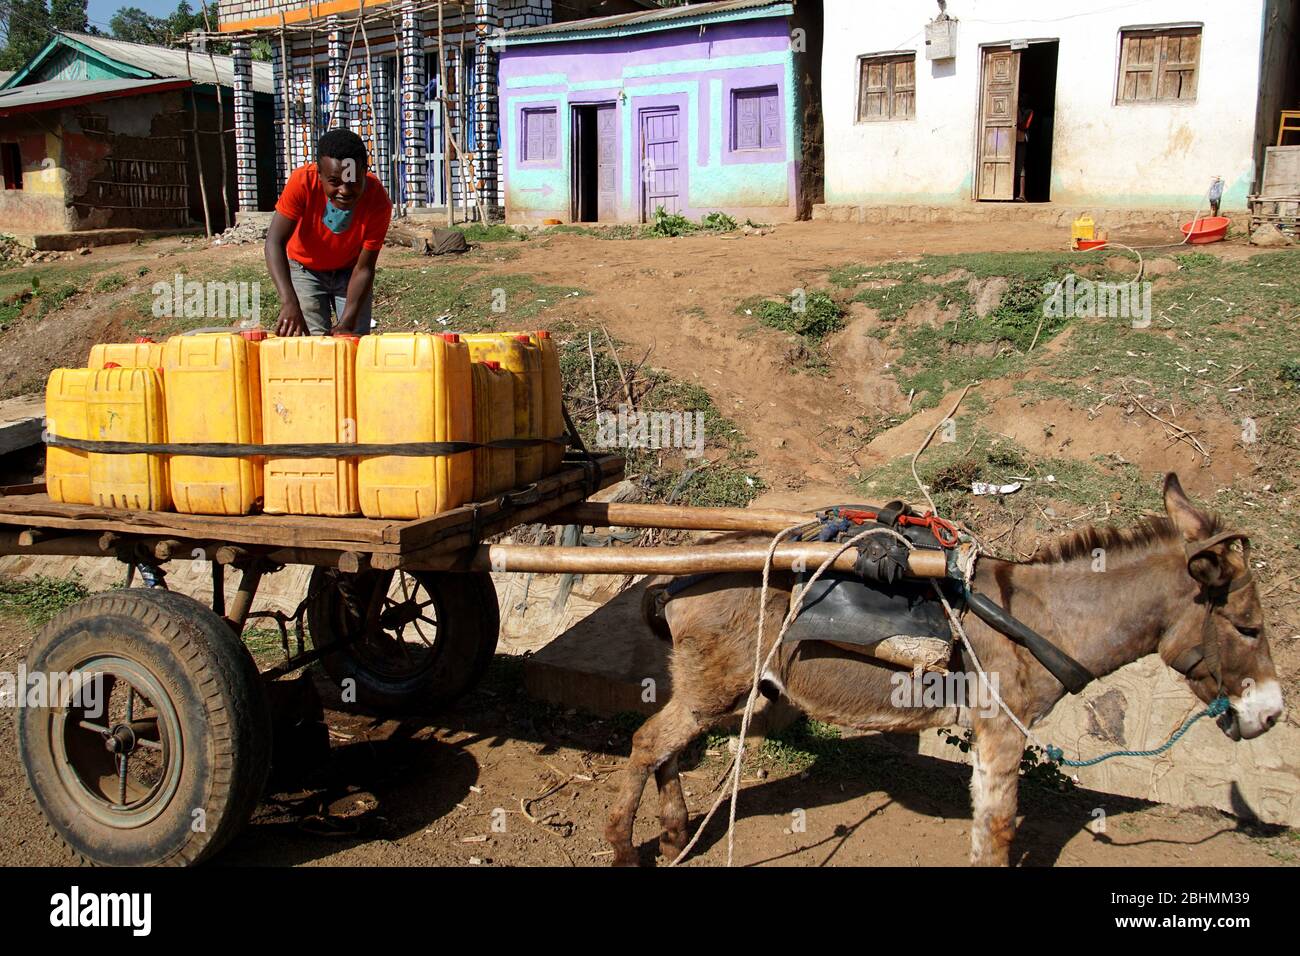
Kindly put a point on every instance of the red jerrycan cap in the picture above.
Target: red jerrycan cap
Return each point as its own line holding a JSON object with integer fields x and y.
{"x": 144, "y": 340}
{"x": 254, "y": 335}
{"x": 495, "y": 366}
{"x": 112, "y": 365}
{"x": 523, "y": 338}
{"x": 451, "y": 336}
{"x": 543, "y": 334}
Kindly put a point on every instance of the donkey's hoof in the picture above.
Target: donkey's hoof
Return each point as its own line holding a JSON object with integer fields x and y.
{"x": 671, "y": 845}
{"x": 625, "y": 858}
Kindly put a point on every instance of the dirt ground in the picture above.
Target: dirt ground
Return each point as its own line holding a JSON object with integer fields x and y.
{"x": 424, "y": 791}
{"x": 451, "y": 790}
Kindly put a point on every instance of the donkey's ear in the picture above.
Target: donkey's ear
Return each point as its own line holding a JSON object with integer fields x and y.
{"x": 1194, "y": 523}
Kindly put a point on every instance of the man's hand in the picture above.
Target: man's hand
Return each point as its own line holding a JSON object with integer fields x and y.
{"x": 291, "y": 320}
{"x": 277, "y": 263}
{"x": 341, "y": 329}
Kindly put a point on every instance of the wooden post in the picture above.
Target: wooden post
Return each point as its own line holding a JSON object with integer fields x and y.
{"x": 221, "y": 118}
{"x": 198, "y": 153}
{"x": 288, "y": 126}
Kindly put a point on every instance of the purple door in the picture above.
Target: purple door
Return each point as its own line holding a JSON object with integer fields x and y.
{"x": 660, "y": 161}
{"x": 607, "y": 163}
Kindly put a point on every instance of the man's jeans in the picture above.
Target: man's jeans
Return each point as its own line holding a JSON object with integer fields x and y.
{"x": 322, "y": 294}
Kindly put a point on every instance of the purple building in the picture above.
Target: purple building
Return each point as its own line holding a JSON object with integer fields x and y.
{"x": 708, "y": 107}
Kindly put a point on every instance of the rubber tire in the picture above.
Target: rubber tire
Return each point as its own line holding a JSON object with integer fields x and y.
{"x": 221, "y": 706}
{"x": 468, "y": 625}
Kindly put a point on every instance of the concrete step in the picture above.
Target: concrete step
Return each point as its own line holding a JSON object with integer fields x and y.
{"x": 1111, "y": 218}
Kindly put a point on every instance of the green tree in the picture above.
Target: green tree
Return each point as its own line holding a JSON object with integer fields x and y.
{"x": 69, "y": 15}
{"x": 132, "y": 23}
{"x": 27, "y": 29}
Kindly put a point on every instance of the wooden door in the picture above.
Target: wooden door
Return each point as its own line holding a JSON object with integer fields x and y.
{"x": 999, "y": 105}
{"x": 607, "y": 163}
{"x": 660, "y": 162}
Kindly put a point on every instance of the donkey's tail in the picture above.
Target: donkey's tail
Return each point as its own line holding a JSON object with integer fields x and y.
{"x": 654, "y": 601}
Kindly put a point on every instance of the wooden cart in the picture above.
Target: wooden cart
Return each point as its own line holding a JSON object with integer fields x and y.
{"x": 160, "y": 745}
{"x": 166, "y": 760}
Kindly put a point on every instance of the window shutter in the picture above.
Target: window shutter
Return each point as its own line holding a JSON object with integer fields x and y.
{"x": 904, "y": 86}
{"x": 550, "y": 135}
{"x": 770, "y": 119}
{"x": 875, "y": 90}
{"x": 748, "y": 134}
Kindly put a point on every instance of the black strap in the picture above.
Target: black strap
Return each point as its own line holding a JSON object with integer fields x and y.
{"x": 1073, "y": 675}
{"x": 422, "y": 449}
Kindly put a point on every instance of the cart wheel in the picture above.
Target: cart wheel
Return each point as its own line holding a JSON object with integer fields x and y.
{"x": 163, "y": 759}
{"x": 433, "y": 637}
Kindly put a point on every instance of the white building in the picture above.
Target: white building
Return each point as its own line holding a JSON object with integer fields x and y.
{"x": 1108, "y": 103}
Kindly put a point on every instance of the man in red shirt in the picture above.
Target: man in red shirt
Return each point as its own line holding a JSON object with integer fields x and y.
{"x": 324, "y": 240}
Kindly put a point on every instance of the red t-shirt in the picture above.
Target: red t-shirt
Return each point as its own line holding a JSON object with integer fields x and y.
{"x": 314, "y": 245}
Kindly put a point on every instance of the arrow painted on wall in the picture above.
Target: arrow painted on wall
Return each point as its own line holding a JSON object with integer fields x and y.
{"x": 544, "y": 190}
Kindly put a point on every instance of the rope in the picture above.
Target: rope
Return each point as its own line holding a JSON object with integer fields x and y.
{"x": 760, "y": 665}
{"x": 1216, "y": 707}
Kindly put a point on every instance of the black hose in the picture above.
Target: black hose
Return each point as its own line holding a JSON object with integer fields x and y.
{"x": 1073, "y": 675}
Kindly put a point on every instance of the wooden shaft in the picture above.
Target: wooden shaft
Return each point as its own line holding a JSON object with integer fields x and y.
{"x": 609, "y": 514}
{"x": 808, "y": 556}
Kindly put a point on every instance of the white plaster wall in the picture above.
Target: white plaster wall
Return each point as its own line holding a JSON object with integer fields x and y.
{"x": 1104, "y": 154}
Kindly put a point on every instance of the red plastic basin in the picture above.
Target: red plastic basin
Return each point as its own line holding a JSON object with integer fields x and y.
{"x": 1209, "y": 229}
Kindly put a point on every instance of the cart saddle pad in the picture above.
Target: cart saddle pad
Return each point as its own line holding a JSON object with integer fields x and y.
{"x": 841, "y": 607}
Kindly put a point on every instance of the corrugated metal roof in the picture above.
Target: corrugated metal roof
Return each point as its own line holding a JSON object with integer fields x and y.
{"x": 52, "y": 94}
{"x": 162, "y": 61}
{"x": 666, "y": 18}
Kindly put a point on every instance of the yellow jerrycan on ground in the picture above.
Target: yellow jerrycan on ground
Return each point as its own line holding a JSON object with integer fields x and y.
{"x": 213, "y": 390}
{"x": 552, "y": 399}
{"x": 126, "y": 404}
{"x": 414, "y": 387}
{"x": 523, "y": 360}
{"x": 309, "y": 397}
{"x": 494, "y": 419}
{"x": 144, "y": 352}
{"x": 67, "y": 471}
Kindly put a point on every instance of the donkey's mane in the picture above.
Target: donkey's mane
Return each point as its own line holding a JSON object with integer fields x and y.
{"x": 1155, "y": 529}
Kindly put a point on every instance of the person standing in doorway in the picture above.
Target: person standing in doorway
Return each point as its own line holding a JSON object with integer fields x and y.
{"x": 324, "y": 240}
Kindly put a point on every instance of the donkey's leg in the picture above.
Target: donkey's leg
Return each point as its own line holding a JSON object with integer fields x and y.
{"x": 672, "y": 809}
{"x": 659, "y": 739}
{"x": 994, "y": 785}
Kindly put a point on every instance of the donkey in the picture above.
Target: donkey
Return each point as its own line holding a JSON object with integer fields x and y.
{"x": 1174, "y": 585}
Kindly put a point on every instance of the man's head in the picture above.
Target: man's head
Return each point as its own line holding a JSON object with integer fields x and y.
{"x": 342, "y": 162}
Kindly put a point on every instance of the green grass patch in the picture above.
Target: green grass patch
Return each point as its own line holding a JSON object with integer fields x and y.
{"x": 494, "y": 232}
{"x": 38, "y": 600}
{"x": 811, "y": 315}
{"x": 110, "y": 283}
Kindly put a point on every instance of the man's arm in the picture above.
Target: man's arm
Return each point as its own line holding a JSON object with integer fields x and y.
{"x": 277, "y": 263}
{"x": 363, "y": 279}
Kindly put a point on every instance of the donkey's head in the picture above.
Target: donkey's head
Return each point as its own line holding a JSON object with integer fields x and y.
{"x": 1216, "y": 635}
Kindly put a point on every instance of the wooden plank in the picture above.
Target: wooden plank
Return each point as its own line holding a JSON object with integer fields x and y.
{"x": 279, "y": 530}
{"x": 414, "y": 535}
{"x": 450, "y": 539}
{"x": 305, "y": 533}
{"x": 17, "y": 435}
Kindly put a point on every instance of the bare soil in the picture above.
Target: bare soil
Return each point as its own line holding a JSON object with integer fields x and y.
{"x": 423, "y": 791}
{"x": 452, "y": 790}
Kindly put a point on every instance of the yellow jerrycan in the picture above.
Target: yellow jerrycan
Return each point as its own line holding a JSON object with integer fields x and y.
{"x": 552, "y": 399}
{"x": 213, "y": 390}
{"x": 126, "y": 404}
{"x": 523, "y": 360}
{"x": 309, "y": 397}
{"x": 67, "y": 471}
{"x": 414, "y": 387}
{"x": 144, "y": 352}
{"x": 494, "y": 419}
